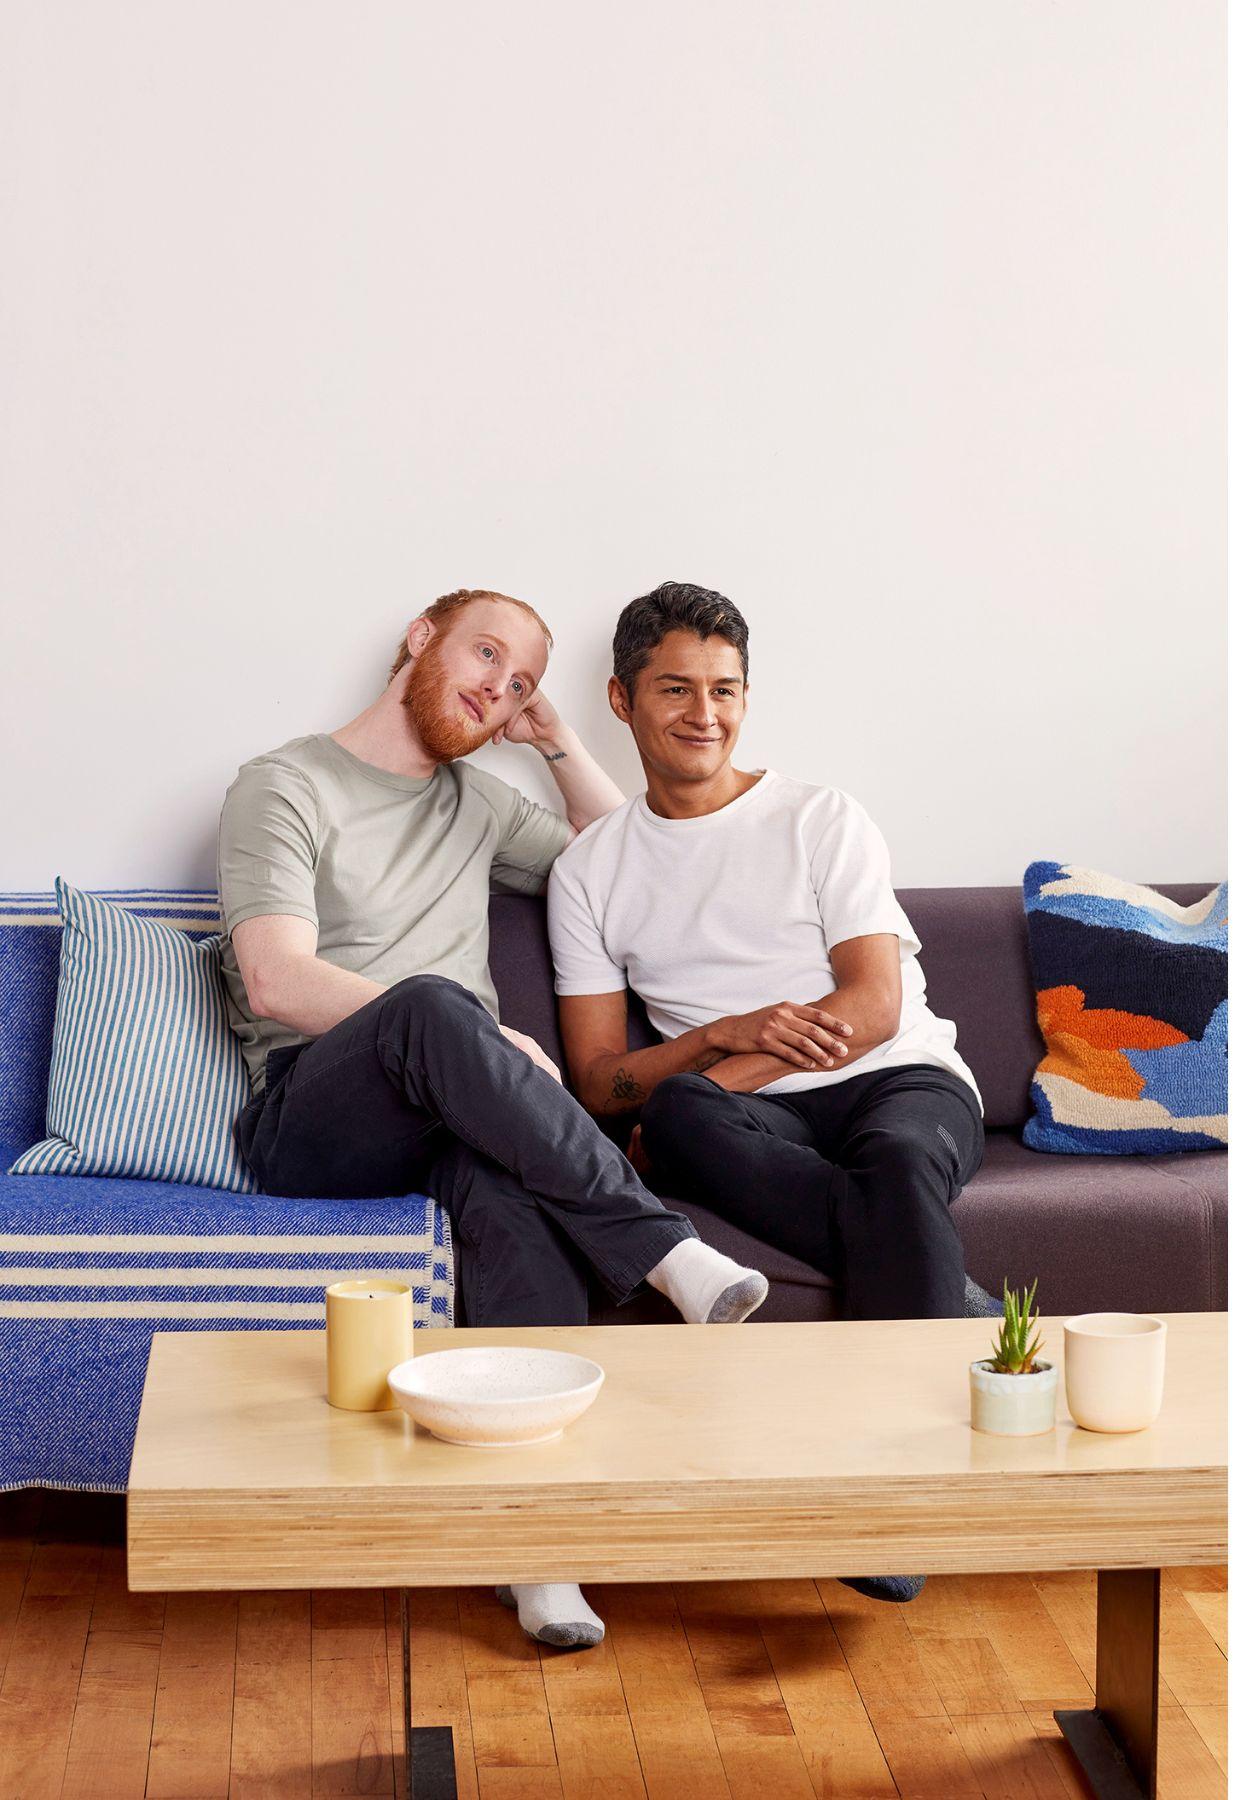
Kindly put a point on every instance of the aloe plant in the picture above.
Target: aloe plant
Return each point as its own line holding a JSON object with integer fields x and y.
{"x": 1012, "y": 1353}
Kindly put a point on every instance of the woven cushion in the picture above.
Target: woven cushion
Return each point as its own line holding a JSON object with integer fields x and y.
{"x": 146, "y": 1074}
{"x": 1131, "y": 1001}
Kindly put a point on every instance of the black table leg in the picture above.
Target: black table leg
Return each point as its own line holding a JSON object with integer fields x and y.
{"x": 1115, "y": 1740}
{"x": 430, "y": 1748}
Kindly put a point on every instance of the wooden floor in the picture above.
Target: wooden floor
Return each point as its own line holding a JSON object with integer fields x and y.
{"x": 751, "y": 1690}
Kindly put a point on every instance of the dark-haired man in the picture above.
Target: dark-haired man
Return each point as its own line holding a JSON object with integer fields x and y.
{"x": 355, "y": 869}
{"x": 802, "y": 1088}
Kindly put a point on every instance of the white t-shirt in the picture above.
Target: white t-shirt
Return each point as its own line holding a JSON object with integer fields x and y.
{"x": 736, "y": 910}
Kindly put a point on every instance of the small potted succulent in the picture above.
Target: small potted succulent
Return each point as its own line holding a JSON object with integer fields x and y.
{"x": 1014, "y": 1391}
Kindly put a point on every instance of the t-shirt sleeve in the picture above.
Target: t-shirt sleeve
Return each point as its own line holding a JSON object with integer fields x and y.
{"x": 531, "y": 837}
{"x": 268, "y": 844}
{"x": 578, "y": 952}
{"x": 852, "y": 876}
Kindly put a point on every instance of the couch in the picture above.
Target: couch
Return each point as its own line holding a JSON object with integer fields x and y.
{"x": 1133, "y": 1233}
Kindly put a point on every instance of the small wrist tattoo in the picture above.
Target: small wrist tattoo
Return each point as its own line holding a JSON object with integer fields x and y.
{"x": 556, "y": 756}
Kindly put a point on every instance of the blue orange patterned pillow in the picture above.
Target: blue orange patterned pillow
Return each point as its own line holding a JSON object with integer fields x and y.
{"x": 1132, "y": 1003}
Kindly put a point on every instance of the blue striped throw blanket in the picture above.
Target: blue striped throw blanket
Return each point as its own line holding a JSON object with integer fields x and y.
{"x": 91, "y": 1268}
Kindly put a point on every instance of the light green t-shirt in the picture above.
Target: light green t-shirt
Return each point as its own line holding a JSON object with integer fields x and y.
{"x": 395, "y": 871}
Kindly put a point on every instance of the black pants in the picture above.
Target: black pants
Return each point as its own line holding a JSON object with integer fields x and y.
{"x": 420, "y": 1092}
{"x": 855, "y": 1178}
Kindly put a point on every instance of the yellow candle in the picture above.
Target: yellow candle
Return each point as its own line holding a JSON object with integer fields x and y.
{"x": 369, "y": 1333}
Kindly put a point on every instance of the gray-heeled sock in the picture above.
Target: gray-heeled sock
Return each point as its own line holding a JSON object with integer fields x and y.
{"x": 706, "y": 1286}
{"x": 554, "y": 1612}
{"x": 977, "y": 1303}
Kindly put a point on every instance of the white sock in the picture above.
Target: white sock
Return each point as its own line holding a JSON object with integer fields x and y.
{"x": 707, "y": 1287}
{"x": 554, "y": 1612}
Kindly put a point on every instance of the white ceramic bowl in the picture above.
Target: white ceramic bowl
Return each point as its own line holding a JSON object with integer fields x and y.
{"x": 496, "y": 1398}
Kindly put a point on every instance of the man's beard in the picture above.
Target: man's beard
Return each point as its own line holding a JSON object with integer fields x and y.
{"x": 445, "y": 732}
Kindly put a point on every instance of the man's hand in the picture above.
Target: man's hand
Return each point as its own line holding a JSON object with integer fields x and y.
{"x": 535, "y": 1052}
{"x": 805, "y": 1036}
{"x": 536, "y": 723}
{"x": 636, "y": 1155}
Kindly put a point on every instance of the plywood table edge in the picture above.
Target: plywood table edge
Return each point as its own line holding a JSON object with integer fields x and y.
{"x": 373, "y": 1537}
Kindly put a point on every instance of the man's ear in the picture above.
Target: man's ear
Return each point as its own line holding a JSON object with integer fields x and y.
{"x": 418, "y": 633}
{"x": 618, "y": 699}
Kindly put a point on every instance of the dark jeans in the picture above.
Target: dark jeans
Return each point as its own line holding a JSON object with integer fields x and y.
{"x": 856, "y": 1178}
{"x": 420, "y": 1092}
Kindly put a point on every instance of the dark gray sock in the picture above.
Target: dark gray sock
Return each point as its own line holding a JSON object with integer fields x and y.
{"x": 898, "y": 1588}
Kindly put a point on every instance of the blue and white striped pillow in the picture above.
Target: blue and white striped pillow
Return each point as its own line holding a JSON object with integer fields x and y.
{"x": 146, "y": 1074}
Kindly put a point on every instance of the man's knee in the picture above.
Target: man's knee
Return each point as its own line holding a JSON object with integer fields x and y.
{"x": 908, "y": 1167}
{"x": 429, "y": 996}
{"x": 670, "y": 1112}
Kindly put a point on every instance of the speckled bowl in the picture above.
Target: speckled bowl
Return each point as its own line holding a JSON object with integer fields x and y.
{"x": 496, "y": 1398}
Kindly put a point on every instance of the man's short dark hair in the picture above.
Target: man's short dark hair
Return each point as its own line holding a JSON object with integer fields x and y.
{"x": 674, "y": 606}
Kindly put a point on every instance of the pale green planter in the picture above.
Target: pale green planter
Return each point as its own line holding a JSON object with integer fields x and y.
{"x": 1013, "y": 1405}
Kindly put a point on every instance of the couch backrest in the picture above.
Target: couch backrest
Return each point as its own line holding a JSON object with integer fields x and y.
{"x": 975, "y": 962}
{"x": 975, "y": 959}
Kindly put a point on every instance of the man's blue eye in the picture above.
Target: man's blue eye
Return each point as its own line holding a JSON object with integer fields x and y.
{"x": 488, "y": 651}
{"x": 519, "y": 686}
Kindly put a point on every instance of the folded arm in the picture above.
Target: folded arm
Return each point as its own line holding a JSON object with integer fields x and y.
{"x": 867, "y": 997}
{"x": 744, "y": 1051}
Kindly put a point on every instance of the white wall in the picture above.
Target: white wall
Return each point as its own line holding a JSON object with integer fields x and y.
{"x": 903, "y": 324}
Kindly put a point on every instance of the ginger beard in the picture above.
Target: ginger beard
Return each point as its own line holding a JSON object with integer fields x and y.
{"x": 436, "y": 711}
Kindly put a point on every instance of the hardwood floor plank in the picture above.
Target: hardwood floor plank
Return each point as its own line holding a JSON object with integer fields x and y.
{"x": 740, "y": 1692}
{"x": 1210, "y": 1722}
{"x": 191, "y": 1746}
{"x": 1206, "y": 1578}
{"x": 749, "y": 1720}
{"x": 510, "y": 1724}
{"x": 841, "y": 1751}
{"x": 1212, "y": 1609}
{"x": 272, "y": 1748}
{"x": 352, "y": 1733}
{"x": 597, "y": 1756}
{"x": 1032, "y": 1651}
{"x": 108, "y": 1757}
{"x": 507, "y": 1700}
{"x": 945, "y": 1607}
{"x": 968, "y": 1675}
{"x": 19, "y": 1520}
{"x": 927, "y": 1759}
{"x": 678, "y": 1752}
{"x": 1009, "y": 1759}
{"x": 274, "y": 1626}
{"x": 114, "y": 1606}
{"x": 521, "y": 1784}
{"x": 883, "y": 1656}
{"x": 1190, "y": 1660}
{"x": 38, "y": 1694}
{"x": 1186, "y": 1769}
{"x": 1070, "y": 1597}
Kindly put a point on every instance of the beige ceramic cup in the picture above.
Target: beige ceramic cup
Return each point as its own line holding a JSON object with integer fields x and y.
{"x": 1113, "y": 1369}
{"x": 369, "y": 1333}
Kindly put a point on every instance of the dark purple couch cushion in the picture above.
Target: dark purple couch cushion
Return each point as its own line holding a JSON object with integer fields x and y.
{"x": 1101, "y": 1233}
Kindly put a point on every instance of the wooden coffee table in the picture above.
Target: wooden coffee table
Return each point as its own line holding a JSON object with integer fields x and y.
{"x": 713, "y": 1452}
